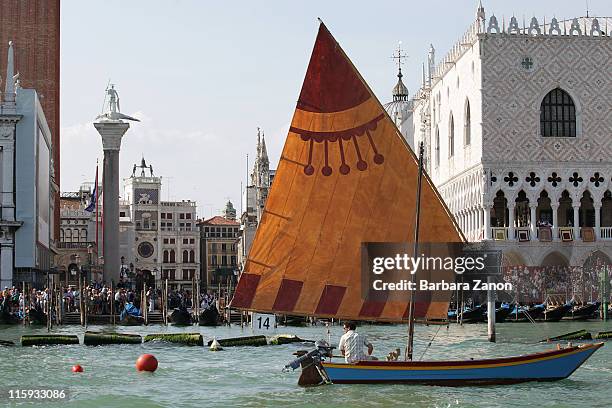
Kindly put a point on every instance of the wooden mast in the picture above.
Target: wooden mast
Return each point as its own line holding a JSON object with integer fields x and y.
{"x": 410, "y": 345}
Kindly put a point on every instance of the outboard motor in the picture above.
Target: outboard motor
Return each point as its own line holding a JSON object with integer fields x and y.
{"x": 313, "y": 372}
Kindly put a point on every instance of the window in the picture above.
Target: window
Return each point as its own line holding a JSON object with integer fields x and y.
{"x": 192, "y": 256}
{"x": 192, "y": 240}
{"x": 558, "y": 115}
{"x": 165, "y": 240}
{"x": 182, "y": 216}
{"x": 185, "y": 257}
{"x": 172, "y": 274}
{"x": 163, "y": 216}
{"x": 224, "y": 260}
{"x": 213, "y": 260}
{"x": 122, "y": 213}
{"x": 188, "y": 216}
{"x": 62, "y": 238}
{"x": 451, "y": 136}
{"x": 172, "y": 241}
{"x": 169, "y": 216}
{"x": 223, "y": 247}
{"x": 185, "y": 240}
{"x": 83, "y": 235}
{"x": 437, "y": 147}
{"x": 467, "y": 126}
{"x": 213, "y": 247}
{"x": 165, "y": 256}
{"x": 185, "y": 274}
{"x": 172, "y": 256}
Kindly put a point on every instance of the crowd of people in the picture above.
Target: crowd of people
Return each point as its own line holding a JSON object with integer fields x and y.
{"x": 14, "y": 302}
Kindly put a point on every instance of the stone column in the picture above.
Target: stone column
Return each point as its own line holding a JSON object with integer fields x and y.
{"x": 111, "y": 131}
{"x": 511, "y": 205}
{"x": 576, "y": 221}
{"x": 532, "y": 219}
{"x": 555, "y": 228}
{"x": 487, "y": 222}
{"x": 6, "y": 266}
{"x": 597, "y": 207}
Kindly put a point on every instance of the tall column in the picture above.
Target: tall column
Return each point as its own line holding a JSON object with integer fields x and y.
{"x": 597, "y": 207}
{"x": 532, "y": 219}
{"x": 555, "y": 228}
{"x": 111, "y": 131}
{"x": 487, "y": 222}
{"x": 511, "y": 205}
{"x": 576, "y": 221}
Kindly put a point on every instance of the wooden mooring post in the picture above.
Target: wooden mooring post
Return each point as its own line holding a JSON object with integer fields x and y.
{"x": 81, "y": 294}
{"x": 166, "y": 302}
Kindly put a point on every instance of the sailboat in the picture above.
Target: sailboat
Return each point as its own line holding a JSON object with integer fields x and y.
{"x": 346, "y": 176}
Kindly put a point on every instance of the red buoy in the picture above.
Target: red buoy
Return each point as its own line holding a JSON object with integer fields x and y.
{"x": 77, "y": 368}
{"x": 146, "y": 362}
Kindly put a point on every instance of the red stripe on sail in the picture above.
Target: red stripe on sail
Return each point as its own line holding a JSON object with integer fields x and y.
{"x": 330, "y": 300}
{"x": 420, "y": 309}
{"x": 287, "y": 295}
{"x": 372, "y": 309}
{"x": 245, "y": 290}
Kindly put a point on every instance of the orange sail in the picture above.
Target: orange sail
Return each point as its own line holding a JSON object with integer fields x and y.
{"x": 345, "y": 176}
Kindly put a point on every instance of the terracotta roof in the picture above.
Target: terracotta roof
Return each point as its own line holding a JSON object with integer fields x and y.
{"x": 218, "y": 220}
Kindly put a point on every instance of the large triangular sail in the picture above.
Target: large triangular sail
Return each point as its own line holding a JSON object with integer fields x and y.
{"x": 346, "y": 176}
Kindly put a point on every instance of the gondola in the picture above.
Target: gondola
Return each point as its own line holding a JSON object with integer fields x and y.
{"x": 209, "y": 316}
{"x": 7, "y": 317}
{"x": 475, "y": 314}
{"x": 556, "y": 313}
{"x": 525, "y": 314}
{"x": 582, "y": 312}
{"x": 502, "y": 312}
{"x": 129, "y": 320}
{"x": 131, "y": 316}
{"x": 37, "y": 317}
{"x": 180, "y": 317}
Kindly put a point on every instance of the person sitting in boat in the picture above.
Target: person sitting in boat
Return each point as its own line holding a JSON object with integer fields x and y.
{"x": 352, "y": 344}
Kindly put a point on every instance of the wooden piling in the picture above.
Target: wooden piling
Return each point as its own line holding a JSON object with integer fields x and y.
{"x": 81, "y": 312}
{"x": 166, "y": 302}
{"x": 490, "y": 311}
{"x": 26, "y": 296}
{"x": 112, "y": 301}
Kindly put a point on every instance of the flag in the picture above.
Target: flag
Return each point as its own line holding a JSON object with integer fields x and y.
{"x": 94, "y": 196}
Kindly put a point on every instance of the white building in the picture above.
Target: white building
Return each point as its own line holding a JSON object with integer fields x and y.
{"x": 517, "y": 125}
{"x": 27, "y": 185}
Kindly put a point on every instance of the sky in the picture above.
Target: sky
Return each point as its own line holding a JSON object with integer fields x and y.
{"x": 203, "y": 75}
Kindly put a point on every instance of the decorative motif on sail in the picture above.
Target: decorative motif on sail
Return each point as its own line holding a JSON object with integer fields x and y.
{"x": 306, "y": 255}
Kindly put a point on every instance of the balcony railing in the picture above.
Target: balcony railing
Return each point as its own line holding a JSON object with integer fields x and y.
{"x": 547, "y": 234}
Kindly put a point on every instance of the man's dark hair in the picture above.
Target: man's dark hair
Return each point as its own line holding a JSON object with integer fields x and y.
{"x": 350, "y": 325}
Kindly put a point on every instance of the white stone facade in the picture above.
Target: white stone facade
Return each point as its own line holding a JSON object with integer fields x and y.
{"x": 479, "y": 116}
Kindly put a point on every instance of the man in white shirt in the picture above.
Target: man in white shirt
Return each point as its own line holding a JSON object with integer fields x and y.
{"x": 352, "y": 344}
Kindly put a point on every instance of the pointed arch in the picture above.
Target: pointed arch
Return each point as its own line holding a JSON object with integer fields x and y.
{"x": 558, "y": 114}
{"x": 451, "y": 136}
{"x": 467, "y": 124}
{"x": 437, "y": 147}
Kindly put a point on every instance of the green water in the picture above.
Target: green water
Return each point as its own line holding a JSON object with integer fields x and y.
{"x": 252, "y": 377}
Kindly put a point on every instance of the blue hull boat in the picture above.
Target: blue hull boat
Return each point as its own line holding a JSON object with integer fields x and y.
{"x": 545, "y": 366}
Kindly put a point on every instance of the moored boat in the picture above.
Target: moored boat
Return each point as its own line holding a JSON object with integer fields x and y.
{"x": 209, "y": 316}
{"x": 555, "y": 313}
{"x": 180, "y": 317}
{"x": 582, "y": 312}
{"x": 525, "y": 314}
